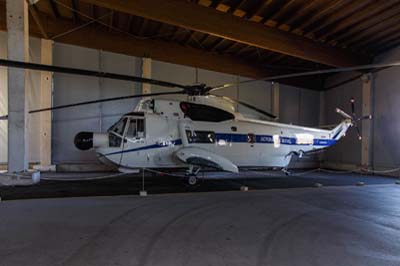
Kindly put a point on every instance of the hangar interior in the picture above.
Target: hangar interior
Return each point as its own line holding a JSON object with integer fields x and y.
{"x": 358, "y": 32}
{"x": 212, "y": 42}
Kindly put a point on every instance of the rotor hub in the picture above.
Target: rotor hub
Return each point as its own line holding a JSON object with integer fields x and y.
{"x": 197, "y": 90}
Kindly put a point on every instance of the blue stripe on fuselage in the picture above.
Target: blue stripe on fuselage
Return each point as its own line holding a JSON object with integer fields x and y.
{"x": 154, "y": 146}
{"x": 240, "y": 138}
{"x": 236, "y": 138}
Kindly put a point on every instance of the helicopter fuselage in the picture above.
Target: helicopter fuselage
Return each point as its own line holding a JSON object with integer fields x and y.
{"x": 153, "y": 136}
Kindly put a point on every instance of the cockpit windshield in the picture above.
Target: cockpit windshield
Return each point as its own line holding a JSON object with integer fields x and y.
{"x": 118, "y": 127}
{"x": 131, "y": 128}
{"x": 116, "y": 133}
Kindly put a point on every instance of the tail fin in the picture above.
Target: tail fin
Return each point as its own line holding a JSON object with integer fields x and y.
{"x": 341, "y": 129}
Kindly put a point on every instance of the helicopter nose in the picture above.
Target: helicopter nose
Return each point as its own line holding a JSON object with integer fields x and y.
{"x": 84, "y": 140}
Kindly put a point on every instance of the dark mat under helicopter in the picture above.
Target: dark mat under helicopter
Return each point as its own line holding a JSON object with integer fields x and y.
{"x": 67, "y": 185}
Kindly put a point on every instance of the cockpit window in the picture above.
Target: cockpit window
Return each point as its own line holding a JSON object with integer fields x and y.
{"x": 116, "y": 133}
{"x": 136, "y": 128}
{"x": 119, "y": 127}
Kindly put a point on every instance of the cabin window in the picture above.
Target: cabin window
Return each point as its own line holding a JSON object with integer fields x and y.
{"x": 201, "y": 112}
{"x": 277, "y": 141}
{"x": 251, "y": 138}
{"x": 304, "y": 138}
{"x": 136, "y": 128}
{"x": 200, "y": 136}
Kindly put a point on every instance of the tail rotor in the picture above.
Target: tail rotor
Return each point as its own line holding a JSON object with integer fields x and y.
{"x": 353, "y": 117}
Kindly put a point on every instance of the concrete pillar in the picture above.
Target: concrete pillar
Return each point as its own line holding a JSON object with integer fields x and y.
{"x": 146, "y": 73}
{"x": 275, "y": 99}
{"x": 3, "y": 101}
{"x": 18, "y": 50}
{"x": 46, "y": 82}
{"x": 366, "y": 128}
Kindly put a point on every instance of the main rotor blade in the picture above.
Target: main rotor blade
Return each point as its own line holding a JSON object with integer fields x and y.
{"x": 256, "y": 109}
{"x": 98, "y": 101}
{"x": 249, "y": 106}
{"x": 310, "y": 73}
{"x": 84, "y": 72}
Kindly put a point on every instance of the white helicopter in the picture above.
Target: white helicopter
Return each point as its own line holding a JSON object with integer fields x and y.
{"x": 204, "y": 131}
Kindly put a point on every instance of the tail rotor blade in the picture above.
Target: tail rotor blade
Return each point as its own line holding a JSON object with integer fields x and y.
{"x": 353, "y": 112}
{"x": 365, "y": 117}
{"x": 343, "y": 113}
{"x": 358, "y": 132}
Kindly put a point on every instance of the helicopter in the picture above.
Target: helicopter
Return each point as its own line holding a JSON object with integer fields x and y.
{"x": 202, "y": 131}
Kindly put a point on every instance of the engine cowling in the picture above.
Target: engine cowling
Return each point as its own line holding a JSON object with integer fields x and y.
{"x": 87, "y": 140}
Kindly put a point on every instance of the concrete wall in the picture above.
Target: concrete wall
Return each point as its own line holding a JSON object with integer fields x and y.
{"x": 300, "y": 107}
{"x": 3, "y": 99}
{"x": 70, "y": 89}
{"x": 34, "y": 100}
{"x": 257, "y": 93}
{"x": 297, "y": 106}
{"x": 385, "y": 110}
{"x": 386, "y": 129}
{"x": 348, "y": 150}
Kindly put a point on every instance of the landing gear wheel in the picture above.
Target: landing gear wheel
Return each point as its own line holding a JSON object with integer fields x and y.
{"x": 286, "y": 171}
{"x": 192, "y": 180}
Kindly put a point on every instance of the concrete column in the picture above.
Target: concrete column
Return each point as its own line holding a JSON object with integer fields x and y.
{"x": 3, "y": 101}
{"x": 146, "y": 73}
{"x": 46, "y": 82}
{"x": 275, "y": 99}
{"x": 366, "y": 129}
{"x": 18, "y": 50}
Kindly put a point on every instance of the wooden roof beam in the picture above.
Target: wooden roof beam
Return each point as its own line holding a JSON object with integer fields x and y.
{"x": 36, "y": 18}
{"x": 96, "y": 37}
{"x": 210, "y": 21}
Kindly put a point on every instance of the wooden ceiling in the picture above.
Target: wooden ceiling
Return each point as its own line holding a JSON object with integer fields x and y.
{"x": 255, "y": 38}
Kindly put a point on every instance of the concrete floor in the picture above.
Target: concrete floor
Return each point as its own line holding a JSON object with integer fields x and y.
{"x": 345, "y": 225}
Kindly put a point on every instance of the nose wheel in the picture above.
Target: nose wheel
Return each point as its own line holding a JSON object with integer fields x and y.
{"x": 192, "y": 179}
